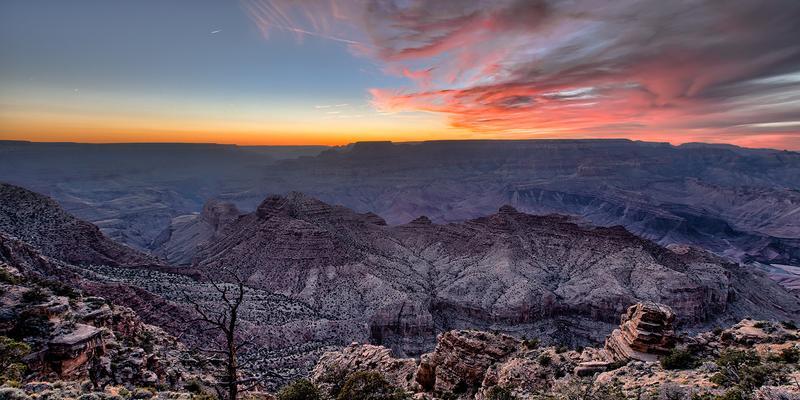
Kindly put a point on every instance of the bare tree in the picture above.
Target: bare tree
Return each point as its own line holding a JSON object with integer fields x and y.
{"x": 221, "y": 317}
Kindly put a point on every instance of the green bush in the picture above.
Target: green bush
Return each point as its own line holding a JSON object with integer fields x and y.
{"x": 530, "y": 344}
{"x": 59, "y": 288}
{"x": 369, "y": 385}
{"x": 35, "y": 296}
{"x": 789, "y": 324}
{"x": 11, "y": 353}
{"x": 678, "y": 359}
{"x": 334, "y": 378}
{"x": 193, "y": 386}
{"x": 609, "y": 392}
{"x": 545, "y": 360}
{"x": 8, "y": 277}
{"x": 32, "y": 324}
{"x": 499, "y": 393}
{"x": 299, "y": 390}
{"x": 766, "y": 374}
{"x": 8, "y": 393}
{"x": 744, "y": 371}
{"x": 790, "y": 355}
{"x": 737, "y": 358}
{"x": 726, "y": 336}
{"x": 732, "y": 394}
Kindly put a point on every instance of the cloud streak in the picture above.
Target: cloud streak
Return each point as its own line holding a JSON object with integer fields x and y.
{"x": 669, "y": 70}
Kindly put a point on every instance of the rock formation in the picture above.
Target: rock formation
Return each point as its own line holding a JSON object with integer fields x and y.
{"x": 187, "y": 233}
{"x": 509, "y": 271}
{"x": 645, "y": 332}
{"x": 461, "y": 359}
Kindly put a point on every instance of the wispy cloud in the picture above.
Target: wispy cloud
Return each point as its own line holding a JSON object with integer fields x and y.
{"x": 678, "y": 69}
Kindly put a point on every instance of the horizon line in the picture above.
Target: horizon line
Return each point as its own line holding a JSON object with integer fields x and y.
{"x": 400, "y": 142}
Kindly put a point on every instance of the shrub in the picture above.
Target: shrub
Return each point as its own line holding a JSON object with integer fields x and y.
{"x": 12, "y": 394}
{"x": 790, "y": 355}
{"x": 545, "y": 360}
{"x": 11, "y": 353}
{"x": 299, "y": 390}
{"x": 561, "y": 349}
{"x": 193, "y": 386}
{"x": 143, "y": 393}
{"x": 732, "y": 394}
{"x": 678, "y": 359}
{"x": 8, "y": 277}
{"x": 743, "y": 371}
{"x": 369, "y": 385}
{"x": 530, "y": 344}
{"x": 789, "y": 324}
{"x": 609, "y": 392}
{"x": 736, "y": 358}
{"x": 59, "y": 288}
{"x": 334, "y": 379}
{"x": 672, "y": 391}
{"x": 754, "y": 377}
{"x": 35, "y": 296}
{"x": 726, "y": 336}
{"x": 32, "y": 324}
{"x": 499, "y": 393}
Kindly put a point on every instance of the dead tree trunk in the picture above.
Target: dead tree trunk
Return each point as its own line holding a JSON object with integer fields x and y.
{"x": 222, "y": 318}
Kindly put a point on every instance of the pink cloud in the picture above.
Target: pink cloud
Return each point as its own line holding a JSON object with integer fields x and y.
{"x": 520, "y": 68}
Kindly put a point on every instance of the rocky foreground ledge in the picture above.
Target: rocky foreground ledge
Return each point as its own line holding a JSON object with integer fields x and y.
{"x": 644, "y": 358}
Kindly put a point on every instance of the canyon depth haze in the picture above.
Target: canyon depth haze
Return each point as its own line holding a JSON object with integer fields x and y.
{"x": 399, "y": 199}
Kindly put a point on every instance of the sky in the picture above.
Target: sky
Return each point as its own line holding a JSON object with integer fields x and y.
{"x": 339, "y": 71}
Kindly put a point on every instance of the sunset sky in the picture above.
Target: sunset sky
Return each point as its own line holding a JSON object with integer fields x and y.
{"x": 338, "y": 71}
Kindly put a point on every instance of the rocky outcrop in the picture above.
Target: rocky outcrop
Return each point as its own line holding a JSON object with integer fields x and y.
{"x": 483, "y": 365}
{"x": 332, "y": 366}
{"x": 462, "y": 358}
{"x": 73, "y": 336}
{"x": 644, "y": 333}
{"x": 68, "y": 353}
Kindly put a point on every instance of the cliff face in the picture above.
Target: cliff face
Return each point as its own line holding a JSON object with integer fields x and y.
{"x": 182, "y": 239}
{"x": 42, "y": 223}
{"x": 509, "y": 271}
